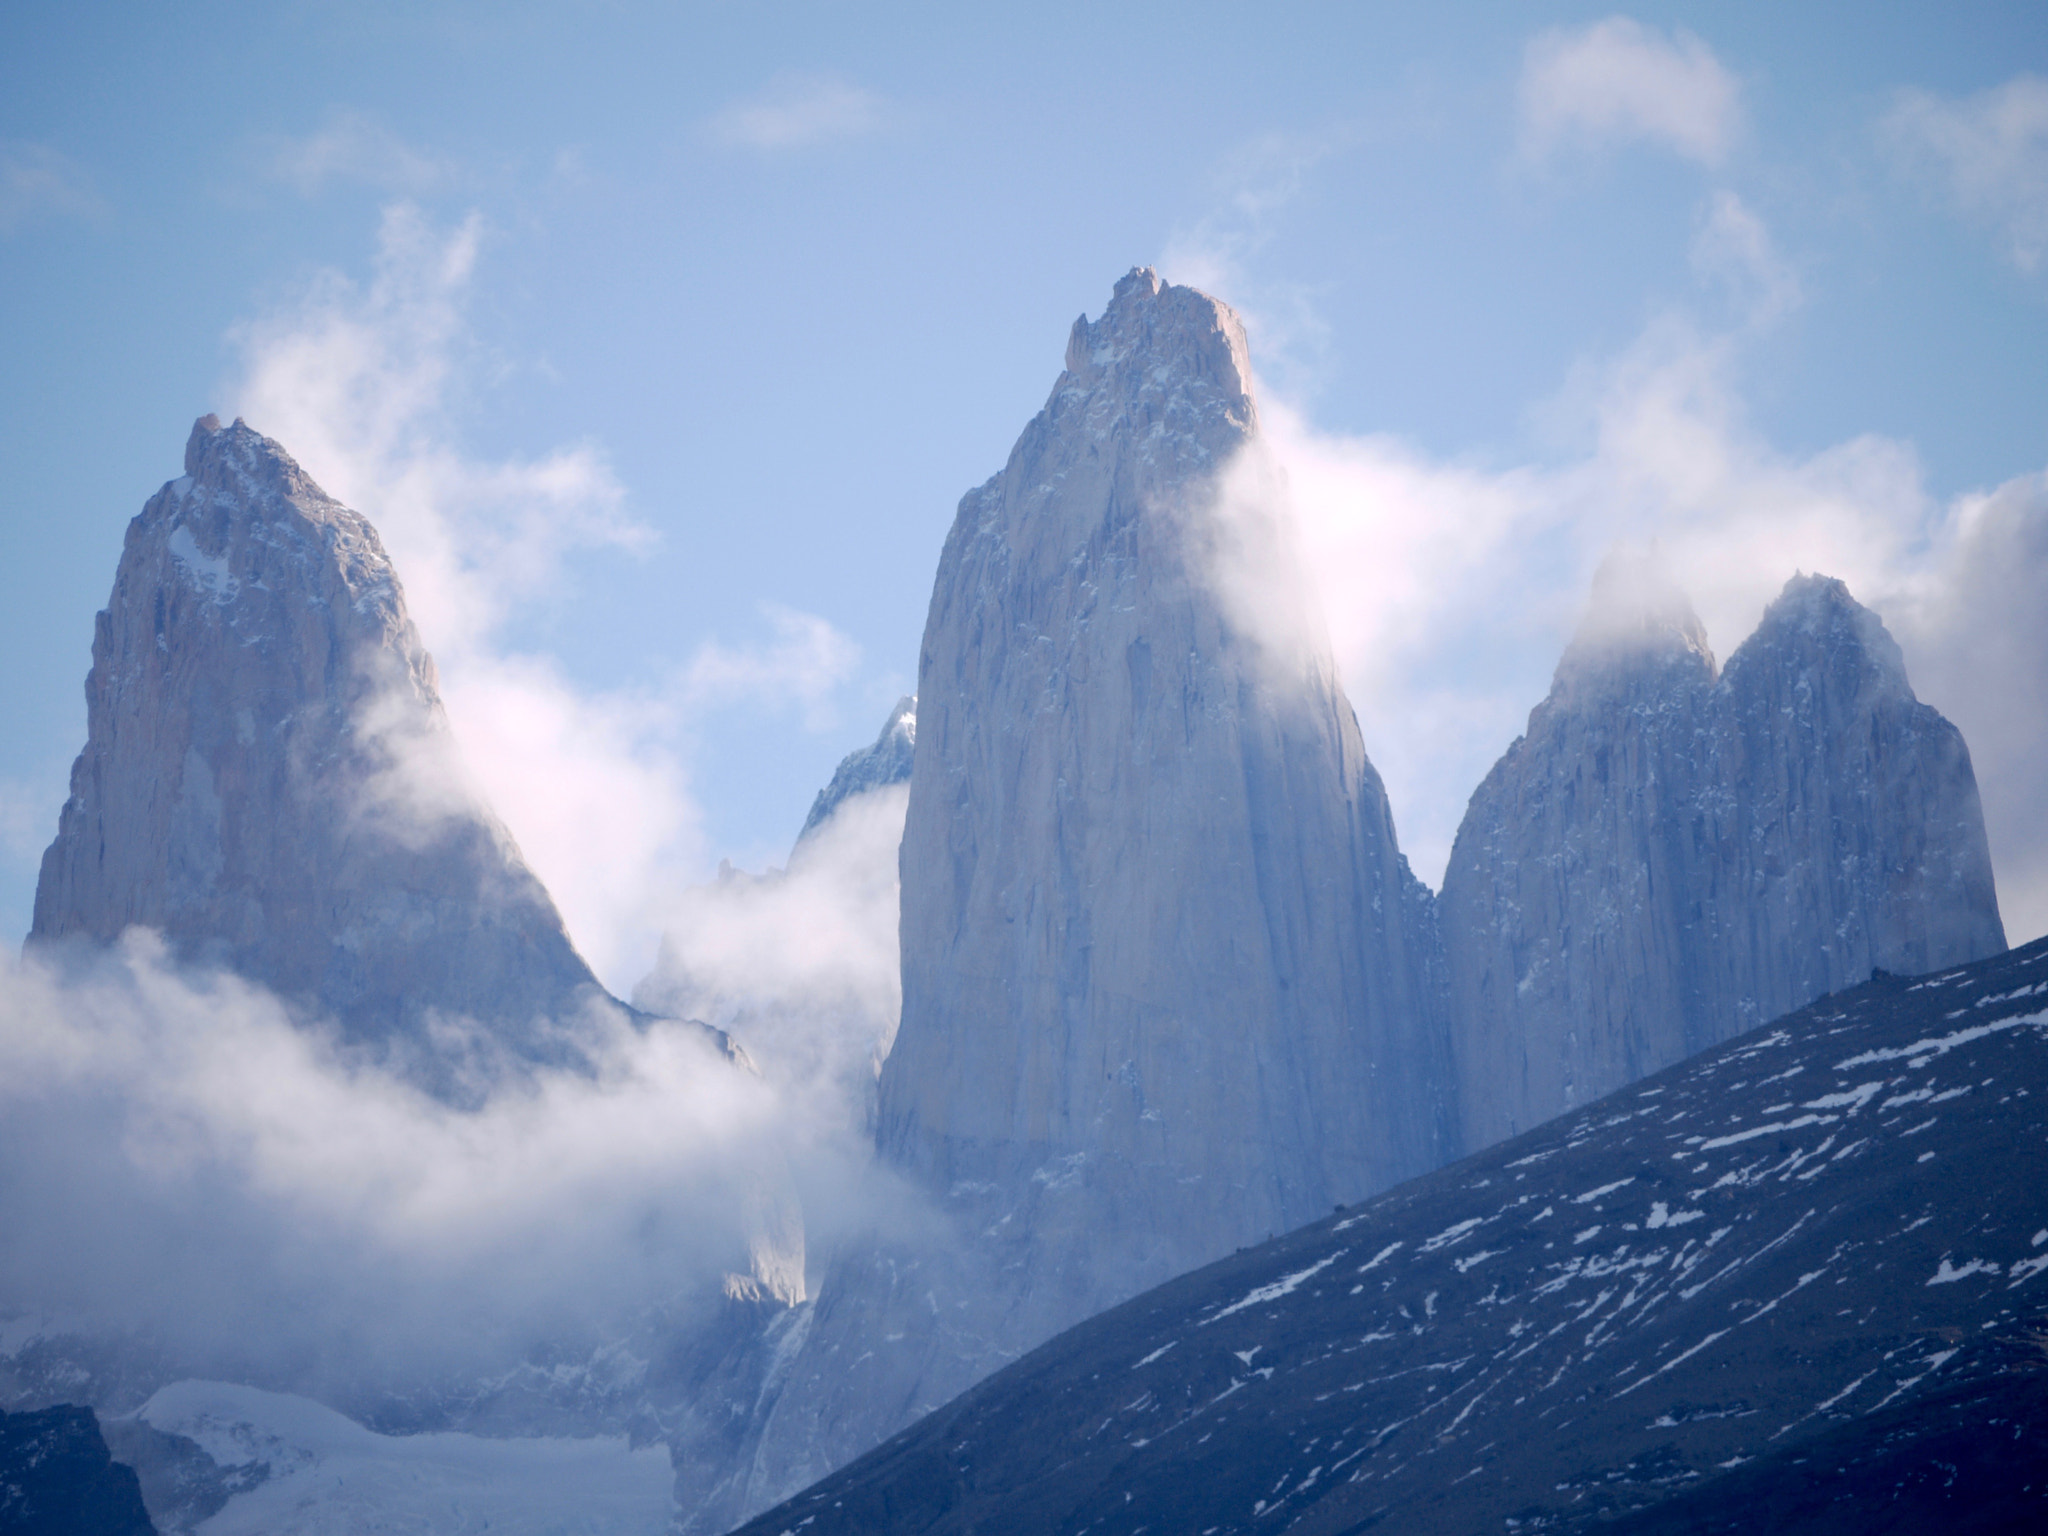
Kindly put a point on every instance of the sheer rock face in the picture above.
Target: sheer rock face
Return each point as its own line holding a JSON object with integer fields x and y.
{"x": 269, "y": 780}
{"x": 1164, "y": 984}
{"x": 1667, "y": 857}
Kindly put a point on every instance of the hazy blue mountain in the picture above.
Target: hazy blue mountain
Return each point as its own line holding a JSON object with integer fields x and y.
{"x": 1670, "y": 855}
{"x": 883, "y": 762}
{"x": 1166, "y": 983}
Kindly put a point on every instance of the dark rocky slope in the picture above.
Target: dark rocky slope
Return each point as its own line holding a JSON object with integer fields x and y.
{"x": 1793, "y": 1273}
{"x": 57, "y": 1478}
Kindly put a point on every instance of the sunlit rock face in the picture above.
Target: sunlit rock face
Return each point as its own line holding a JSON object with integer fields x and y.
{"x": 1156, "y": 972}
{"x": 1668, "y": 856}
{"x": 269, "y": 780}
{"x": 1165, "y": 972}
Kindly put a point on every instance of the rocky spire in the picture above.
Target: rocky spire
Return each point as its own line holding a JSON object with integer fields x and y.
{"x": 269, "y": 780}
{"x": 1667, "y": 858}
{"x": 883, "y": 762}
{"x": 1161, "y": 993}
{"x": 1857, "y": 836}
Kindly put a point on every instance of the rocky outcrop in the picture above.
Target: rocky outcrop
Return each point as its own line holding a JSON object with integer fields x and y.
{"x": 57, "y": 1478}
{"x": 883, "y": 762}
{"x": 269, "y": 780}
{"x": 1668, "y": 856}
{"x": 1161, "y": 986}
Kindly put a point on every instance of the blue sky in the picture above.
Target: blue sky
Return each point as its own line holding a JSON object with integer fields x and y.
{"x": 661, "y": 342}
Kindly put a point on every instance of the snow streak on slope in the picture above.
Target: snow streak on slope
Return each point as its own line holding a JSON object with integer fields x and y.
{"x": 1819, "y": 1224}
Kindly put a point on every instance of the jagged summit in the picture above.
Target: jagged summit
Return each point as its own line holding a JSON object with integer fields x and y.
{"x": 884, "y": 761}
{"x": 1666, "y": 858}
{"x": 1174, "y": 351}
{"x": 1163, "y": 964}
{"x": 1637, "y": 614}
{"x": 269, "y": 779}
{"x": 1816, "y": 619}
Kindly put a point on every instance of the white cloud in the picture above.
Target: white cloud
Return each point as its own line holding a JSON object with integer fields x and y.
{"x": 353, "y": 147}
{"x": 799, "y": 110}
{"x": 1990, "y": 151}
{"x": 183, "y": 1157}
{"x": 801, "y": 964}
{"x": 1732, "y": 247}
{"x": 37, "y": 181}
{"x": 1618, "y": 81}
{"x": 358, "y": 381}
{"x": 1452, "y": 587}
{"x": 807, "y": 663}
{"x": 1975, "y": 631}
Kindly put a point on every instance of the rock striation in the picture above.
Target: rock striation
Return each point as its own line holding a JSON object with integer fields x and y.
{"x": 1669, "y": 856}
{"x": 1165, "y": 973}
{"x": 269, "y": 780}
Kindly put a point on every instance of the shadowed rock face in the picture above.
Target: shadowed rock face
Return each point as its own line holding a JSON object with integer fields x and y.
{"x": 269, "y": 780}
{"x": 1164, "y": 968}
{"x": 57, "y": 1478}
{"x": 1668, "y": 857}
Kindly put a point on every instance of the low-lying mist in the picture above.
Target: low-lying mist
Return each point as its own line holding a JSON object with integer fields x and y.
{"x": 187, "y": 1161}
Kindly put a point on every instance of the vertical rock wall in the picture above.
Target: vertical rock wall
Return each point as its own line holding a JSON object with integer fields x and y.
{"x": 1166, "y": 977}
{"x": 1667, "y": 858}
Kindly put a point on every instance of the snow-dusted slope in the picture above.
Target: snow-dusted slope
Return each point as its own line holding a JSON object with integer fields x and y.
{"x": 1786, "y": 1265}
{"x": 305, "y": 1470}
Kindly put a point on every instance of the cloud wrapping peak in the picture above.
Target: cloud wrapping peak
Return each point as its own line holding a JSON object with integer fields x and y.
{"x": 1990, "y": 151}
{"x": 1618, "y": 81}
{"x": 799, "y": 110}
{"x": 183, "y": 1157}
{"x": 1452, "y": 587}
{"x": 360, "y": 383}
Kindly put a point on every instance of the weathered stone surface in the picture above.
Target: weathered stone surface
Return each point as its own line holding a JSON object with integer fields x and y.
{"x": 1668, "y": 857}
{"x": 1164, "y": 968}
{"x": 269, "y": 779}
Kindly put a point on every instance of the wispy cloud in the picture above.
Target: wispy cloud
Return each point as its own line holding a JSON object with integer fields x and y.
{"x": 38, "y": 182}
{"x": 1216, "y": 253}
{"x": 795, "y": 111}
{"x": 1618, "y": 81}
{"x": 1451, "y": 585}
{"x": 1990, "y": 151}
{"x": 353, "y": 147}
{"x": 1733, "y": 248}
{"x": 806, "y": 663}
{"x": 359, "y": 381}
